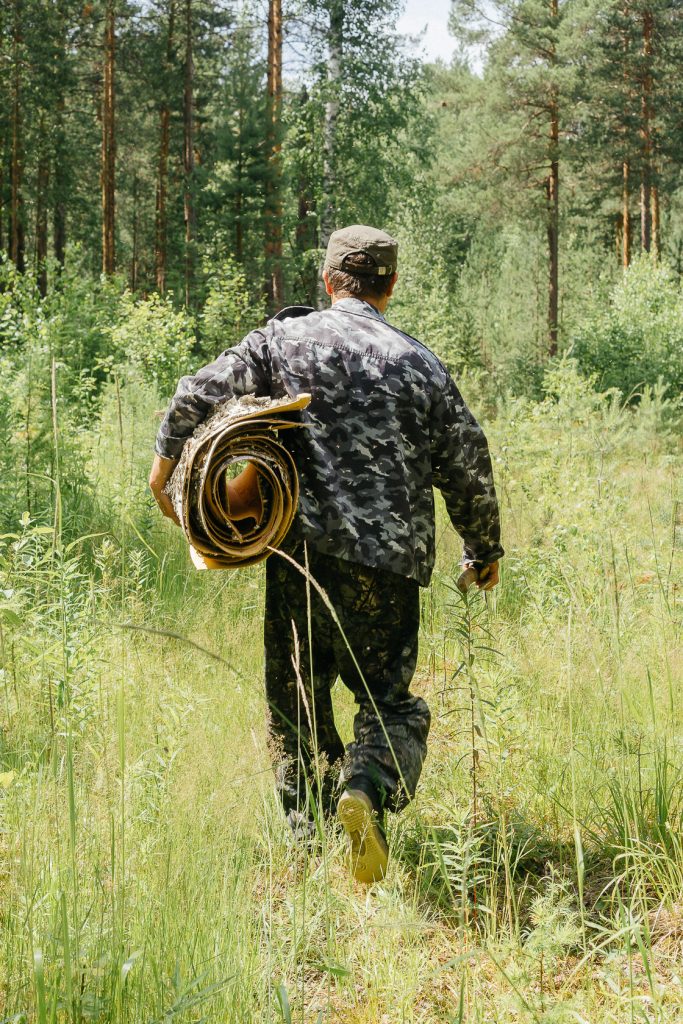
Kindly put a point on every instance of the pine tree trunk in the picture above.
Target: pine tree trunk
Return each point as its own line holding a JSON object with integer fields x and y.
{"x": 626, "y": 226}
{"x": 109, "y": 143}
{"x": 656, "y": 221}
{"x": 188, "y": 155}
{"x": 60, "y": 173}
{"x": 553, "y": 186}
{"x": 16, "y": 225}
{"x": 625, "y": 218}
{"x": 161, "y": 227}
{"x": 646, "y": 138}
{"x": 553, "y": 206}
{"x": 327, "y": 213}
{"x": 41, "y": 212}
{"x": 161, "y": 197}
{"x": 135, "y": 233}
{"x": 273, "y": 218}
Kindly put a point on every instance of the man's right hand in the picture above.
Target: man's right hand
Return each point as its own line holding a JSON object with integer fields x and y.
{"x": 159, "y": 476}
{"x": 489, "y": 577}
{"x": 485, "y": 579}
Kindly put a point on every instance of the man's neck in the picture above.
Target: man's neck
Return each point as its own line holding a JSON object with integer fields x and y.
{"x": 379, "y": 305}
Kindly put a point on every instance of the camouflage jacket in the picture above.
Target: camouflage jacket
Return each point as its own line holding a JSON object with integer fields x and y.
{"x": 385, "y": 424}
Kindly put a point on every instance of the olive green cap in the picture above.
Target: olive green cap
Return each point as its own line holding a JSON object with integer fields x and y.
{"x": 359, "y": 238}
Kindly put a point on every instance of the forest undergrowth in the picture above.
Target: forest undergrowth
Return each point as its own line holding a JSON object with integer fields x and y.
{"x": 146, "y": 874}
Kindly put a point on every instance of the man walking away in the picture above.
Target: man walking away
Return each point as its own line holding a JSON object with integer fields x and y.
{"x": 385, "y": 424}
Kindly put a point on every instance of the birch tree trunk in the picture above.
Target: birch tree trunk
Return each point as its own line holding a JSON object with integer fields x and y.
{"x": 328, "y": 205}
{"x": 273, "y": 218}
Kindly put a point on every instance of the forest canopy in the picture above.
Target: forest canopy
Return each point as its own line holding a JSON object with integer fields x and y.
{"x": 205, "y": 150}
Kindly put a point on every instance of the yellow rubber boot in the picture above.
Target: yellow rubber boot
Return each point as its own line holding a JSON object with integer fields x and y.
{"x": 369, "y": 850}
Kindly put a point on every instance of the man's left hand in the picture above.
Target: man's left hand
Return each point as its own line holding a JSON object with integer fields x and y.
{"x": 159, "y": 476}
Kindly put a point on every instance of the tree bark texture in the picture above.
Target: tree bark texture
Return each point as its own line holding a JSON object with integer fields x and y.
{"x": 60, "y": 170}
{"x": 161, "y": 199}
{"x": 43, "y": 183}
{"x": 305, "y": 234}
{"x": 646, "y": 136}
{"x": 60, "y": 187}
{"x": 108, "y": 173}
{"x": 238, "y": 206}
{"x": 136, "y": 231}
{"x": 625, "y": 217}
{"x": 553, "y": 207}
{"x": 16, "y": 222}
{"x": 188, "y": 154}
{"x": 161, "y": 217}
{"x": 334, "y": 62}
{"x": 273, "y": 219}
{"x": 656, "y": 220}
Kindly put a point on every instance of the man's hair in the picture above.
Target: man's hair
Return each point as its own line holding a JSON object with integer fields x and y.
{"x": 374, "y": 286}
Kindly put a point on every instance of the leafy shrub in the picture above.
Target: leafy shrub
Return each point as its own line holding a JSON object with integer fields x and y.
{"x": 230, "y": 311}
{"x": 78, "y": 314}
{"x": 428, "y": 306}
{"x": 19, "y": 304}
{"x": 637, "y": 340}
{"x": 154, "y": 338}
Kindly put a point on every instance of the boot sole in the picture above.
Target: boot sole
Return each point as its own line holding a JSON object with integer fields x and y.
{"x": 369, "y": 850}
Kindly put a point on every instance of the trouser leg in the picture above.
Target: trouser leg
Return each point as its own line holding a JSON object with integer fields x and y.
{"x": 305, "y": 745}
{"x": 380, "y": 614}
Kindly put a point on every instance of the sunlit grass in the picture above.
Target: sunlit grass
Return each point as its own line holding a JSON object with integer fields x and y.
{"x": 146, "y": 874}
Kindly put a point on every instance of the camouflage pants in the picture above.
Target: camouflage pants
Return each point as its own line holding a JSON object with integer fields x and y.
{"x": 379, "y": 614}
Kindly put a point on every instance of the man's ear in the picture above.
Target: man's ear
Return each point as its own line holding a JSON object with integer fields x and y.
{"x": 328, "y": 286}
{"x": 390, "y": 291}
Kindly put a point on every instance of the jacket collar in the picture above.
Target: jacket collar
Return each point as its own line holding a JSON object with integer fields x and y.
{"x": 351, "y": 305}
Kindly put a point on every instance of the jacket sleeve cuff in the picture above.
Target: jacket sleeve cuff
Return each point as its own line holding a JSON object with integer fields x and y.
{"x": 482, "y": 558}
{"x": 169, "y": 447}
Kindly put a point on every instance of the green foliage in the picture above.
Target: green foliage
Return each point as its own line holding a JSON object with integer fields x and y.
{"x": 636, "y": 340}
{"x": 430, "y": 307}
{"x": 78, "y": 315}
{"x": 19, "y": 302}
{"x": 146, "y": 874}
{"x": 230, "y": 310}
{"x": 134, "y": 770}
{"x": 153, "y": 338}
{"x": 555, "y": 925}
{"x": 378, "y": 136}
{"x": 235, "y": 180}
{"x": 104, "y": 344}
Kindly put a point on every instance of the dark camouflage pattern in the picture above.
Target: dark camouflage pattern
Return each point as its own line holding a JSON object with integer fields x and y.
{"x": 379, "y": 613}
{"x": 385, "y": 424}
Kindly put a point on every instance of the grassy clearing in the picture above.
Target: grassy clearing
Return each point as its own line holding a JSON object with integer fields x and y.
{"x": 146, "y": 874}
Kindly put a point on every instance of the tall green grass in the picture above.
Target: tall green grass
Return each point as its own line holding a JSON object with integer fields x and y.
{"x": 146, "y": 873}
